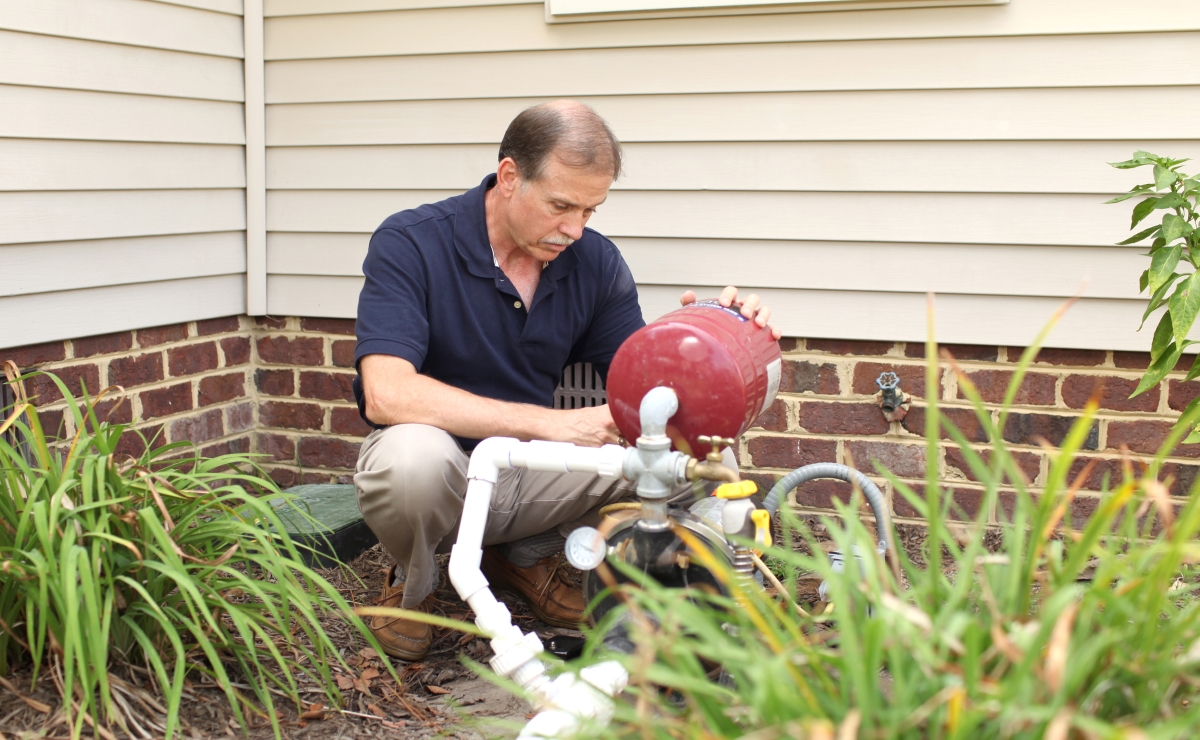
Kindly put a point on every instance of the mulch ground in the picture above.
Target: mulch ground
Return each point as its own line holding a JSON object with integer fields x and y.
{"x": 436, "y": 697}
{"x": 439, "y": 696}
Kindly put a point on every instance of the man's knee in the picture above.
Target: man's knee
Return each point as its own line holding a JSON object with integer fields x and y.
{"x": 409, "y": 468}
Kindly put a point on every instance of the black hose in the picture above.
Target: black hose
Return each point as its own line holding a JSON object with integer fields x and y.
{"x": 883, "y": 520}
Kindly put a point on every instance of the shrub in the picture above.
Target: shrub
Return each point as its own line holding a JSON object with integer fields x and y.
{"x": 169, "y": 561}
{"x": 1083, "y": 631}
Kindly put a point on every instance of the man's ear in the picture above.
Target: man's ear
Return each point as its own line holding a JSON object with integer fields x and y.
{"x": 508, "y": 176}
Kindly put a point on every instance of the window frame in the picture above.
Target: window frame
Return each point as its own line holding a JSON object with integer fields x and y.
{"x": 579, "y": 11}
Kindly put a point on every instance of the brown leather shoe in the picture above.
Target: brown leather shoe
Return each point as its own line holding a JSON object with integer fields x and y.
{"x": 401, "y": 638}
{"x": 552, "y": 596}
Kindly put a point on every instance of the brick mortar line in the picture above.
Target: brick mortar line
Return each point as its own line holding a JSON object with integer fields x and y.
{"x": 1102, "y": 413}
{"x": 978, "y": 365}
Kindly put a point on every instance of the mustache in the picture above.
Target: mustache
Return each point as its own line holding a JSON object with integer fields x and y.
{"x": 562, "y": 241}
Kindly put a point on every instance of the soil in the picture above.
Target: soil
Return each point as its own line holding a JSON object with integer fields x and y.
{"x": 439, "y": 696}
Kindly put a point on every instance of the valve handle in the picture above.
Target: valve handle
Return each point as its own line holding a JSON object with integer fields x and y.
{"x": 762, "y": 527}
{"x": 718, "y": 443}
{"x": 735, "y": 491}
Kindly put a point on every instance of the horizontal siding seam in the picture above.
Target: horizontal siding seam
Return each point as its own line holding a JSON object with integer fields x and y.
{"x": 781, "y": 91}
{"x": 669, "y": 94}
{"x": 126, "y": 43}
{"x": 729, "y": 44}
{"x": 240, "y": 101}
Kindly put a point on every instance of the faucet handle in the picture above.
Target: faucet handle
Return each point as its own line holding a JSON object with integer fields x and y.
{"x": 718, "y": 443}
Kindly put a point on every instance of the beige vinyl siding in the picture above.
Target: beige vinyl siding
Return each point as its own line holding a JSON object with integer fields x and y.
{"x": 122, "y": 195}
{"x": 842, "y": 164}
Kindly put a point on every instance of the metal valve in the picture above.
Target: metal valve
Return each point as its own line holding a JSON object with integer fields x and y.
{"x": 718, "y": 444}
{"x": 891, "y": 399}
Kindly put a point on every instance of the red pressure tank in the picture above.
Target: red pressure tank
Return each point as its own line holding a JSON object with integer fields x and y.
{"x": 724, "y": 369}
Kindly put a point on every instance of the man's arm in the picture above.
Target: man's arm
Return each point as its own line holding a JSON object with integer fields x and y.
{"x": 397, "y": 394}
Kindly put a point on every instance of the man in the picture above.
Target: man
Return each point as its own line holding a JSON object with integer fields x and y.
{"x": 471, "y": 309}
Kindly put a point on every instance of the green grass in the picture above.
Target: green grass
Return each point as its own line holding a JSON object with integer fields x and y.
{"x": 169, "y": 561}
{"x": 1057, "y": 633}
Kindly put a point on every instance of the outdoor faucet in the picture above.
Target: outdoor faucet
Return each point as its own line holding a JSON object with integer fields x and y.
{"x": 713, "y": 467}
{"x": 891, "y": 399}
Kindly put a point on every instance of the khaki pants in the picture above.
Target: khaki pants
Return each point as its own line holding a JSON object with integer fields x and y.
{"x": 411, "y": 481}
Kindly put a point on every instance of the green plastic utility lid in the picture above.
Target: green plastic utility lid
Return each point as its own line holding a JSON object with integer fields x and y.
{"x": 339, "y": 533}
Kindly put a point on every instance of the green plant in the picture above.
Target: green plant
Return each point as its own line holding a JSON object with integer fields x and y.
{"x": 1175, "y": 244}
{"x": 1080, "y": 630}
{"x": 168, "y": 561}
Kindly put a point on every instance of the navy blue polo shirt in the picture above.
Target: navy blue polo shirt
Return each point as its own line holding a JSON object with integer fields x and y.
{"x": 435, "y": 297}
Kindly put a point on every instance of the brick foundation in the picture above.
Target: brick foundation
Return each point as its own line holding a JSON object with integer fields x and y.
{"x": 828, "y": 410}
{"x": 280, "y": 387}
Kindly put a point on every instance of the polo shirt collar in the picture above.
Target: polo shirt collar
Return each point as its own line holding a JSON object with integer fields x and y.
{"x": 471, "y": 237}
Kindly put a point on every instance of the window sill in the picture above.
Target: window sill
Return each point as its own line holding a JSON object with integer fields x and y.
{"x": 577, "y": 11}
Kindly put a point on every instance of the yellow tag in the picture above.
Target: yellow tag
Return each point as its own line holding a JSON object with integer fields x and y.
{"x": 741, "y": 489}
{"x": 762, "y": 527}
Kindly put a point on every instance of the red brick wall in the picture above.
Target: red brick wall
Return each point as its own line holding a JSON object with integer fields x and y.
{"x": 180, "y": 382}
{"x": 309, "y": 427}
{"x": 280, "y": 387}
{"x": 828, "y": 410}
{"x": 277, "y": 387}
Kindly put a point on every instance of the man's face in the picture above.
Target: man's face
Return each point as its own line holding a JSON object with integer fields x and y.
{"x": 545, "y": 216}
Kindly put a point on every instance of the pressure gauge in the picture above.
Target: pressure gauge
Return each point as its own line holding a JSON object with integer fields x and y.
{"x": 586, "y": 548}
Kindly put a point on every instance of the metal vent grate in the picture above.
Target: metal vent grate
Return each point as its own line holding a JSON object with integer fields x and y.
{"x": 581, "y": 386}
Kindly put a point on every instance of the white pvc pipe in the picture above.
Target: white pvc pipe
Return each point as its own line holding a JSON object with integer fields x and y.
{"x": 565, "y": 702}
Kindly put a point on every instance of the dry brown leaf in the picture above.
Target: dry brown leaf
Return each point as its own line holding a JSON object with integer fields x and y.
{"x": 345, "y": 683}
{"x": 370, "y": 673}
{"x": 29, "y": 701}
{"x": 1056, "y": 652}
{"x": 369, "y": 653}
{"x": 375, "y": 710}
{"x": 848, "y": 730}
{"x": 821, "y": 729}
{"x": 438, "y": 690}
{"x": 1162, "y": 501}
{"x": 314, "y": 711}
{"x": 1059, "y": 726}
{"x": 362, "y": 687}
{"x": 1005, "y": 645}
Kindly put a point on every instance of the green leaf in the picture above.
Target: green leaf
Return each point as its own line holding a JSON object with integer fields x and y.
{"x": 1163, "y": 338}
{"x": 1195, "y": 371}
{"x": 1183, "y": 306}
{"x": 1159, "y": 368}
{"x": 1132, "y": 192}
{"x": 1156, "y": 300}
{"x": 1143, "y": 209}
{"x": 1162, "y": 266}
{"x": 1172, "y": 227}
{"x": 1140, "y": 159}
{"x": 1143, "y": 281}
{"x": 1163, "y": 177}
{"x": 1139, "y": 236}
{"x": 1170, "y": 200}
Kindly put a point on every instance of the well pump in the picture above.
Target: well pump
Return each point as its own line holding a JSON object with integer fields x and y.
{"x": 698, "y": 377}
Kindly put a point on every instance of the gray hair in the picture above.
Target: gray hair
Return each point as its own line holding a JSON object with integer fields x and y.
{"x": 571, "y": 131}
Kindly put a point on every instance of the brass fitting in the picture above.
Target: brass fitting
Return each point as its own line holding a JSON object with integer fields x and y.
{"x": 712, "y": 467}
{"x": 709, "y": 470}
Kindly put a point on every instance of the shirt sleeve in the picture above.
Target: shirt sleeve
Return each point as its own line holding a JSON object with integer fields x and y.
{"x": 392, "y": 314}
{"x": 618, "y": 315}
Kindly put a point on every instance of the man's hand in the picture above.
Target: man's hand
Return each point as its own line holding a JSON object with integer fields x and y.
{"x": 751, "y": 307}
{"x": 587, "y": 427}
